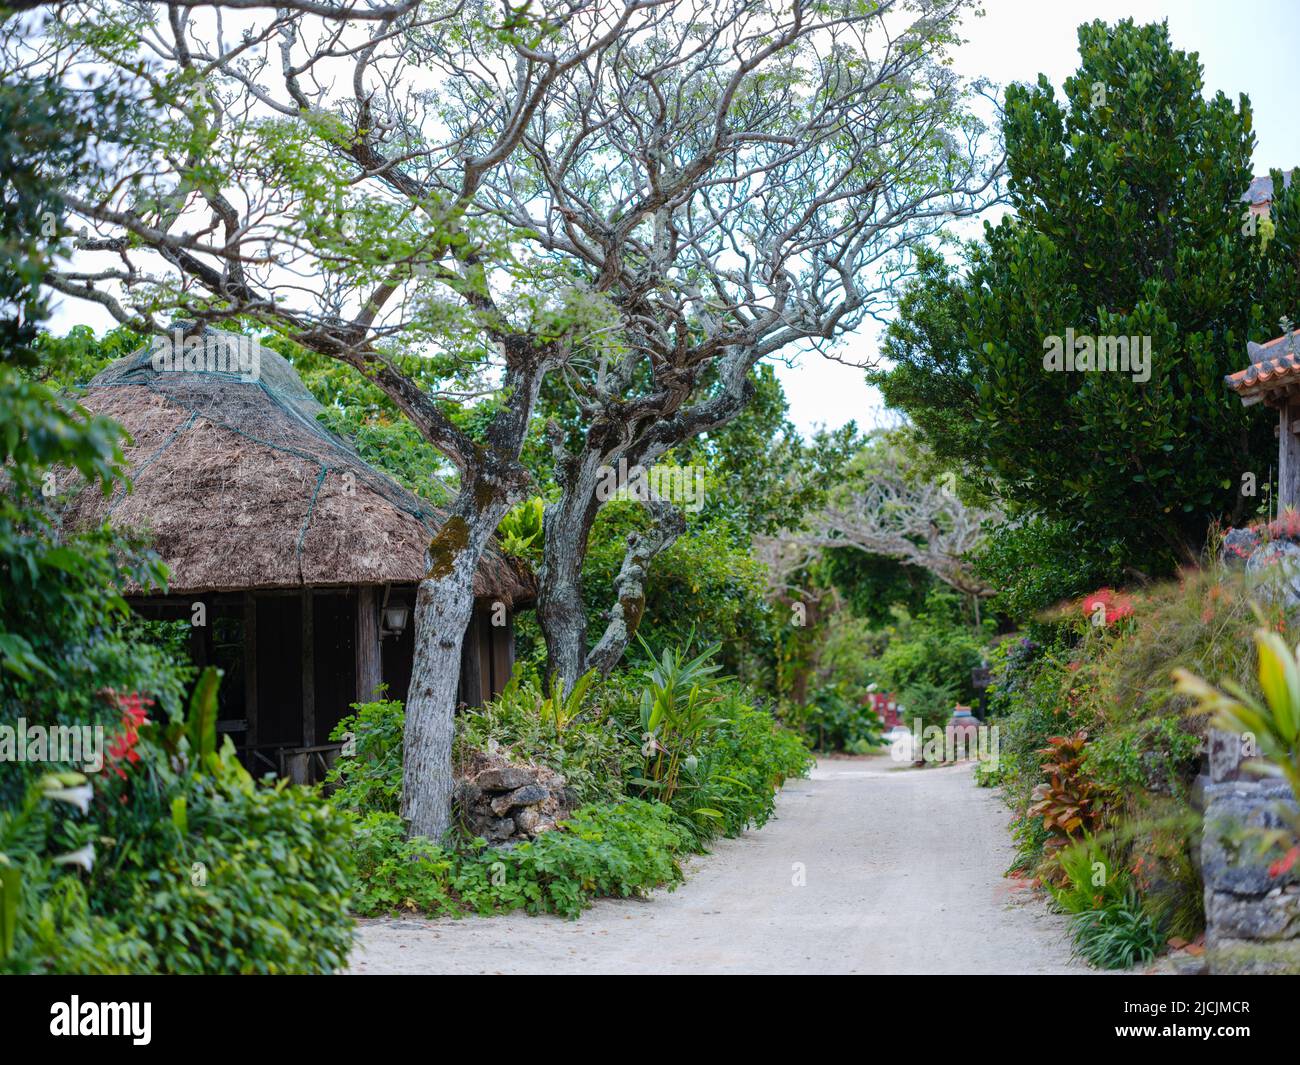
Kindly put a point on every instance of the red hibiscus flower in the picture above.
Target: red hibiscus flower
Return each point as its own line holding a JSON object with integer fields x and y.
{"x": 1107, "y": 604}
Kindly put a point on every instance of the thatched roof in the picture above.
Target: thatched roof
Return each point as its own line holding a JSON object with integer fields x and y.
{"x": 242, "y": 487}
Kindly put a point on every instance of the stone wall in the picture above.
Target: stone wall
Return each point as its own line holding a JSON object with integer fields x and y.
{"x": 507, "y": 802}
{"x": 1252, "y": 918}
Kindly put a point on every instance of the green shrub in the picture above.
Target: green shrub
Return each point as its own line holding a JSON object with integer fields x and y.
{"x": 1109, "y": 925}
{"x": 932, "y": 704}
{"x": 749, "y": 758}
{"x": 45, "y": 921}
{"x": 59, "y": 933}
{"x": 396, "y": 874}
{"x": 1035, "y": 564}
{"x": 991, "y": 773}
{"x": 707, "y": 587}
{"x": 622, "y": 841}
{"x": 214, "y": 872}
{"x": 731, "y": 756}
{"x": 622, "y": 849}
{"x": 1118, "y": 935}
{"x": 935, "y": 649}
{"x": 259, "y": 885}
{"x": 589, "y": 752}
{"x": 368, "y": 777}
{"x": 176, "y": 862}
{"x": 1144, "y": 747}
{"x": 676, "y": 716}
{"x": 836, "y": 719}
{"x": 520, "y": 531}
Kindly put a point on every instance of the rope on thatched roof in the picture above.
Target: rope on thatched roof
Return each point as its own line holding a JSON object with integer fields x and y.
{"x": 222, "y": 527}
{"x": 290, "y": 395}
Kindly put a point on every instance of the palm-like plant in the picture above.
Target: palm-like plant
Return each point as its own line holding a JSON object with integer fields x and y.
{"x": 676, "y": 713}
{"x": 1274, "y": 724}
{"x": 520, "y": 530}
{"x": 559, "y": 709}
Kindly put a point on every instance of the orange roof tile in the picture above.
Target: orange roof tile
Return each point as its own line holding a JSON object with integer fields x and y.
{"x": 1274, "y": 365}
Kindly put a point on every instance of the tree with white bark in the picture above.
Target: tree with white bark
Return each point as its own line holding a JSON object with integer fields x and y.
{"x": 895, "y": 508}
{"x": 641, "y": 199}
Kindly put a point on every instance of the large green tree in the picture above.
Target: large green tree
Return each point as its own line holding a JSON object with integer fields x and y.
{"x": 1127, "y": 221}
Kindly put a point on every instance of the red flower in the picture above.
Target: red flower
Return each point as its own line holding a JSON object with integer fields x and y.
{"x": 134, "y": 715}
{"x": 1286, "y": 863}
{"x": 133, "y": 707}
{"x": 1285, "y": 524}
{"x": 1107, "y": 604}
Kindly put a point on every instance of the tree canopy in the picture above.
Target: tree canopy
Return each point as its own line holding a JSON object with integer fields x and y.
{"x": 1127, "y": 222}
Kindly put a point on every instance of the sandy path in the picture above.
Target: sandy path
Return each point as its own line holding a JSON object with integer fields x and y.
{"x": 903, "y": 874}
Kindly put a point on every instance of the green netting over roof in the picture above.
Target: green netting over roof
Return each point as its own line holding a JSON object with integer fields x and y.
{"x": 243, "y": 487}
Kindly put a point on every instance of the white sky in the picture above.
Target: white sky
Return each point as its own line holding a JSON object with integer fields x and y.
{"x": 1248, "y": 46}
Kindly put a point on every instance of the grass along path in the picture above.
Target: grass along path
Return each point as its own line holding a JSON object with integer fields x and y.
{"x": 901, "y": 869}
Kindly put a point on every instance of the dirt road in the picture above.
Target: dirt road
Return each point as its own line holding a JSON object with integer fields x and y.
{"x": 867, "y": 868}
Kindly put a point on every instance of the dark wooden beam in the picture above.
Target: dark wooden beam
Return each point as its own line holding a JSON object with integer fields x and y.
{"x": 471, "y": 675}
{"x": 370, "y": 657}
{"x": 308, "y": 670}
{"x": 1288, "y": 456}
{"x": 201, "y": 635}
{"x": 250, "y": 667}
{"x": 503, "y": 653}
{"x": 482, "y": 629}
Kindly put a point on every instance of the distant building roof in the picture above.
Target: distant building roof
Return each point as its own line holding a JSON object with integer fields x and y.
{"x": 1261, "y": 188}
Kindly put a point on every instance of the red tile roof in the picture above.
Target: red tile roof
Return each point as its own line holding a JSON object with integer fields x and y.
{"x": 1274, "y": 366}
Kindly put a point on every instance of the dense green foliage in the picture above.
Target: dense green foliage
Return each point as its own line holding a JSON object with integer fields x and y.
{"x": 836, "y": 718}
{"x": 187, "y": 865}
{"x": 1036, "y": 563}
{"x": 98, "y": 869}
{"x": 928, "y": 660}
{"x": 1109, "y": 924}
{"x": 621, "y": 849}
{"x": 255, "y": 879}
{"x": 725, "y": 759}
{"x": 1122, "y": 226}
{"x": 1143, "y": 749}
{"x": 1126, "y": 221}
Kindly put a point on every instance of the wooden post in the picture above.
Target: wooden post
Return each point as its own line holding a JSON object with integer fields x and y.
{"x": 482, "y": 628}
{"x": 250, "y": 668}
{"x": 503, "y": 653}
{"x": 370, "y": 658}
{"x": 1288, "y": 448}
{"x": 471, "y": 674}
{"x": 308, "y": 671}
{"x": 200, "y": 635}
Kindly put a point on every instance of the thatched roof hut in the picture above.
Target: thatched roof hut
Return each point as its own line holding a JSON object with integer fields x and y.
{"x": 293, "y": 560}
{"x": 242, "y": 487}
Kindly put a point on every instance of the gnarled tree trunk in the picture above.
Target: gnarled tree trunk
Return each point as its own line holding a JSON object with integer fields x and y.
{"x": 566, "y": 529}
{"x": 443, "y": 607}
{"x": 445, "y": 601}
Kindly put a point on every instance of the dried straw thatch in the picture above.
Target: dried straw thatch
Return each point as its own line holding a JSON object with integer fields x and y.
{"x": 241, "y": 487}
